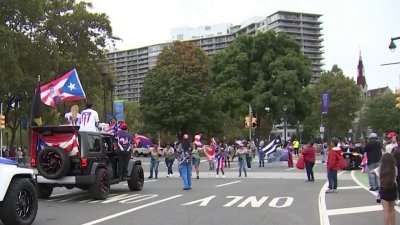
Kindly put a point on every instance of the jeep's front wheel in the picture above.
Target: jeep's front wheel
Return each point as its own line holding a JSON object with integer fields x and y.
{"x": 53, "y": 163}
{"x": 136, "y": 181}
{"x": 44, "y": 191}
{"x": 20, "y": 203}
{"x": 101, "y": 187}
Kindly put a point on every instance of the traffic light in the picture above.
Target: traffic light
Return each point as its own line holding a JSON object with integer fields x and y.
{"x": 2, "y": 121}
{"x": 253, "y": 122}
{"x": 398, "y": 99}
{"x": 247, "y": 122}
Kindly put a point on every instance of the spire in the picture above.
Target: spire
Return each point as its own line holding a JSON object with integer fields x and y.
{"x": 360, "y": 69}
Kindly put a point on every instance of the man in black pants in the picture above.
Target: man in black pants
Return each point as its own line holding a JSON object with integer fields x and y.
{"x": 124, "y": 142}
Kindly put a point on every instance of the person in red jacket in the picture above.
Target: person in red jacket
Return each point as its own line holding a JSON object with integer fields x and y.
{"x": 333, "y": 165}
{"x": 309, "y": 160}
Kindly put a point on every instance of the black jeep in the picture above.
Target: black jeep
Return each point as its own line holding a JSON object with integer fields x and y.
{"x": 66, "y": 157}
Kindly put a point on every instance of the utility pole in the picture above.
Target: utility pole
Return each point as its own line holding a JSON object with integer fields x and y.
{"x": 250, "y": 115}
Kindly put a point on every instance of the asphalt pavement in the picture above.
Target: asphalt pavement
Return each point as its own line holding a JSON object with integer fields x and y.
{"x": 274, "y": 194}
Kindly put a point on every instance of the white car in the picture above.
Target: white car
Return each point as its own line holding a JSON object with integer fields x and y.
{"x": 18, "y": 196}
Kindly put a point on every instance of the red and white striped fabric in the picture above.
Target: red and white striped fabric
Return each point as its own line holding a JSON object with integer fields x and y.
{"x": 69, "y": 142}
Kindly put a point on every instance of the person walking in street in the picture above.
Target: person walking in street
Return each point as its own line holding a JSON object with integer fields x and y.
{"x": 249, "y": 157}
{"x": 196, "y": 159}
{"x": 392, "y": 136}
{"x": 219, "y": 161}
{"x": 309, "y": 160}
{"x": 261, "y": 154}
{"x": 169, "y": 155}
{"x": 388, "y": 187}
{"x": 374, "y": 153}
{"x": 185, "y": 162}
{"x": 333, "y": 165}
{"x": 241, "y": 154}
{"x": 155, "y": 154}
{"x": 124, "y": 142}
{"x": 324, "y": 151}
{"x": 296, "y": 146}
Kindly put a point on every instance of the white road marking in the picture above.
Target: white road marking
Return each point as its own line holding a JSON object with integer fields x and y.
{"x": 65, "y": 198}
{"x": 351, "y": 210}
{"x": 60, "y": 194}
{"x": 349, "y": 187}
{"x": 234, "y": 182}
{"x": 130, "y": 210}
{"x": 290, "y": 168}
{"x": 397, "y": 208}
{"x": 146, "y": 181}
{"x": 323, "y": 215}
{"x": 233, "y": 168}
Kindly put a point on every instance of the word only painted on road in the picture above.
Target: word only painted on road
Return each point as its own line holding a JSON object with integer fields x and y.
{"x": 241, "y": 201}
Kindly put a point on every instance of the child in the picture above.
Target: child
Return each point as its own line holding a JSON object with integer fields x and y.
{"x": 388, "y": 188}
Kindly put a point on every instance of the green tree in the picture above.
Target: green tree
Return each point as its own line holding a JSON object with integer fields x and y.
{"x": 267, "y": 69}
{"x": 48, "y": 38}
{"x": 343, "y": 106}
{"x": 176, "y": 90}
{"x": 381, "y": 115}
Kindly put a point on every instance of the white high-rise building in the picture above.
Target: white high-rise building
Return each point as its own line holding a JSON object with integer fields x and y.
{"x": 131, "y": 66}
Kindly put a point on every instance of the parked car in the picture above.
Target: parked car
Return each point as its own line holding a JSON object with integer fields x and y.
{"x": 141, "y": 151}
{"x": 18, "y": 197}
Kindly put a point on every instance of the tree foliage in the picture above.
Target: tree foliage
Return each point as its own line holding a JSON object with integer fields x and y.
{"x": 176, "y": 92}
{"x": 381, "y": 115}
{"x": 48, "y": 38}
{"x": 344, "y": 103}
{"x": 267, "y": 69}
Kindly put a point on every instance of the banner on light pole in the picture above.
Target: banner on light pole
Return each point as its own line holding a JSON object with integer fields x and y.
{"x": 325, "y": 102}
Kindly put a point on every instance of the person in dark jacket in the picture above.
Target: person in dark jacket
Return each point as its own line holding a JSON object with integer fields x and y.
{"x": 374, "y": 153}
{"x": 185, "y": 162}
{"x": 333, "y": 165}
{"x": 309, "y": 160}
{"x": 124, "y": 143}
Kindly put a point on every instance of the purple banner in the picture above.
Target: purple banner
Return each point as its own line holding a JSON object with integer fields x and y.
{"x": 325, "y": 102}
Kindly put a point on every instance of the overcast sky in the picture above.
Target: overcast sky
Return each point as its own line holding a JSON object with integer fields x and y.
{"x": 349, "y": 26}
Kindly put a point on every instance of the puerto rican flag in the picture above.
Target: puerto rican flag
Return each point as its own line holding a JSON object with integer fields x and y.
{"x": 63, "y": 89}
{"x": 68, "y": 142}
{"x": 272, "y": 146}
{"x": 143, "y": 140}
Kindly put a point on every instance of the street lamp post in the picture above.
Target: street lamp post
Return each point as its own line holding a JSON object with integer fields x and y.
{"x": 104, "y": 72}
{"x": 284, "y": 122}
{"x": 112, "y": 96}
{"x": 392, "y": 45}
{"x": 301, "y": 132}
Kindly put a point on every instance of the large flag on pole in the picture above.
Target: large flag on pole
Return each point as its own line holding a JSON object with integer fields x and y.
{"x": 63, "y": 89}
{"x": 272, "y": 146}
{"x": 36, "y": 112}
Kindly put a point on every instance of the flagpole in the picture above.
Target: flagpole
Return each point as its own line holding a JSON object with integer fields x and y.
{"x": 1, "y": 132}
{"x": 250, "y": 116}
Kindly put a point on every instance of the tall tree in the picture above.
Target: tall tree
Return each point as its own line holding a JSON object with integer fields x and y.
{"x": 175, "y": 92}
{"x": 49, "y": 37}
{"x": 267, "y": 69}
{"x": 343, "y": 106}
{"x": 381, "y": 115}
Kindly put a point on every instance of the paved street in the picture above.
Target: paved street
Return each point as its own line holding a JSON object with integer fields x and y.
{"x": 271, "y": 195}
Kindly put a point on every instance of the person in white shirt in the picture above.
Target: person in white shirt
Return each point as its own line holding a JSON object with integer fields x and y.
{"x": 392, "y": 142}
{"x": 89, "y": 119}
{"x": 74, "y": 117}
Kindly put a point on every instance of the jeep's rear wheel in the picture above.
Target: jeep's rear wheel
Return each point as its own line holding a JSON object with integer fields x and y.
{"x": 101, "y": 187}
{"x": 136, "y": 181}
{"x": 53, "y": 163}
{"x": 20, "y": 203}
{"x": 44, "y": 191}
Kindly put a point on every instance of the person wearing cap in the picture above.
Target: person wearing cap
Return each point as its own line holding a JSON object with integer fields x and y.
{"x": 373, "y": 148}
{"x": 124, "y": 143}
{"x": 392, "y": 136}
{"x": 185, "y": 162}
{"x": 89, "y": 119}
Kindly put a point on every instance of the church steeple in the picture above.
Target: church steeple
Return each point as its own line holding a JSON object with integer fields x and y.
{"x": 360, "y": 76}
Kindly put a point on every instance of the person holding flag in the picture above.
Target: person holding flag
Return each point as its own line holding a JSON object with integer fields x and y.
{"x": 185, "y": 162}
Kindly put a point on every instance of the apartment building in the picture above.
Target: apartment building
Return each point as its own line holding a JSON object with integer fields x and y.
{"x": 131, "y": 66}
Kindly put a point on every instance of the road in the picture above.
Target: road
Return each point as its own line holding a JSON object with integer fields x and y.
{"x": 271, "y": 195}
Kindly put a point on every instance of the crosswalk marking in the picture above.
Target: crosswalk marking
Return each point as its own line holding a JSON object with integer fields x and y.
{"x": 351, "y": 210}
{"x": 349, "y": 187}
